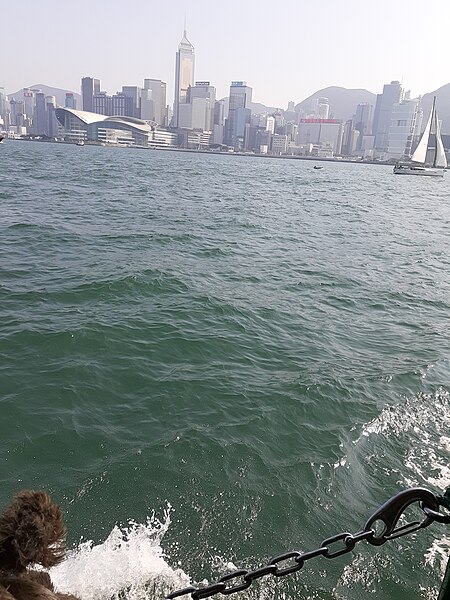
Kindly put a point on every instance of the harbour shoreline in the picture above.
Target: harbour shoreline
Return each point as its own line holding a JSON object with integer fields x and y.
{"x": 220, "y": 153}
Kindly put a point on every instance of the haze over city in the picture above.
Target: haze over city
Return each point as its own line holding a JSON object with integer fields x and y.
{"x": 285, "y": 51}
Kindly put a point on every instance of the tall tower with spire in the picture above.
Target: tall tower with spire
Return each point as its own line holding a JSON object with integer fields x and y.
{"x": 184, "y": 75}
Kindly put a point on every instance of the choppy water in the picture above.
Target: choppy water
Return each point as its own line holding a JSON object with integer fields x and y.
{"x": 213, "y": 359}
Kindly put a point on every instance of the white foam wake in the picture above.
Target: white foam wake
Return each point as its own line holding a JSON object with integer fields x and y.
{"x": 130, "y": 565}
{"x": 415, "y": 430}
{"x": 421, "y": 425}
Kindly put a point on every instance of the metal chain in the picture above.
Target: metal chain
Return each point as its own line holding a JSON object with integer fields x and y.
{"x": 386, "y": 516}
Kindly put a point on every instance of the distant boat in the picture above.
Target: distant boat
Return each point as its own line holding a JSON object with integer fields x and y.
{"x": 1, "y": 139}
{"x": 317, "y": 167}
{"x": 80, "y": 143}
{"x": 418, "y": 164}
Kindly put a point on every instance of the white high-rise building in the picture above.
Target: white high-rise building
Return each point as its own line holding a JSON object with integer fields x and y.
{"x": 239, "y": 112}
{"x": 202, "y": 97}
{"x": 270, "y": 124}
{"x": 133, "y": 92}
{"x": 402, "y": 129}
{"x": 2, "y": 102}
{"x": 155, "y": 102}
{"x": 323, "y": 108}
{"x": 184, "y": 76}
{"x": 147, "y": 105}
{"x": 392, "y": 94}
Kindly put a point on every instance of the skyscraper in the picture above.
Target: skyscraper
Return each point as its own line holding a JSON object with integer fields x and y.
{"x": 28, "y": 98}
{"x": 70, "y": 101}
{"x": 40, "y": 125}
{"x": 2, "y": 102}
{"x": 52, "y": 122}
{"x": 363, "y": 122}
{"x": 122, "y": 105}
{"x": 363, "y": 118}
{"x": 184, "y": 75}
{"x": 402, "y": 129}
{"x": 89, "y": 88}
{"x": 392, "y": 94}
{"x": 133, "y": 92}
{"x": 102, "y": 104}
{"x": 202, "y": 97}
{"x": 323, "y": 108}
{"x": 238, "y": 112}
{"x": 158, "y": 98}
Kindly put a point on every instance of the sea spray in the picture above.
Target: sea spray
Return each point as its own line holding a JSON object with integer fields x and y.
{"x": 129, "y": 565}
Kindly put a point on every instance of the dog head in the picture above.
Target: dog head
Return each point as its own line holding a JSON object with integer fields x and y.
{"x": 32, "y": 531}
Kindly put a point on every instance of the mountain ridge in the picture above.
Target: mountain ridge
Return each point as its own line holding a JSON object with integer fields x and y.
{"x": 59, "y": 93}
{"x": 343, "y": 101}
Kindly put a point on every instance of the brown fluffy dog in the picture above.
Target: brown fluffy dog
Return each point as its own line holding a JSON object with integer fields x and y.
{"x": 32, "y": 532}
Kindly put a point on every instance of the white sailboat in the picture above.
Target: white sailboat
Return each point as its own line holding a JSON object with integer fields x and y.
{"x": 418, "y": 164}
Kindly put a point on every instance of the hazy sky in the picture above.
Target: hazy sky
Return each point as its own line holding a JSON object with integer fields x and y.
{"x": 285, "y": 50}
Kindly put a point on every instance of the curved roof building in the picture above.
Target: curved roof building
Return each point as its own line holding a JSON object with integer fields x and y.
{"x": 80, "y": 125}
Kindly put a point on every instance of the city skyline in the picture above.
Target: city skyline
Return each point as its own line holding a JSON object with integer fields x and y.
{"x": 285, "y": 53}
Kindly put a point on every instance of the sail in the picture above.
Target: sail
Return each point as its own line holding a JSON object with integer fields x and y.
{"x": 440, "y": 159}
{"x": 420, "y": 152}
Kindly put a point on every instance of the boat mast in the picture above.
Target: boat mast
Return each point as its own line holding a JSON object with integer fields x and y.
{"x": 435, "y": 131}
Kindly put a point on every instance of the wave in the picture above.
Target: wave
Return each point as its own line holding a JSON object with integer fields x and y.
{"x": 415, "y": 432}
{"x": 129, "y": 565}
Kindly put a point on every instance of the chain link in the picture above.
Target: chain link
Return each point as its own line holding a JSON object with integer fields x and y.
{"x": 388, "y": 515}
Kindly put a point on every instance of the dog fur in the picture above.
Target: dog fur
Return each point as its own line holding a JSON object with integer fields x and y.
{"x": 32, "y": 532}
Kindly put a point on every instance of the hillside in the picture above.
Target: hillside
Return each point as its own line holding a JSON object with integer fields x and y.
{"x": 442, "y": 104}
{"x": 59, "y": 94}
{"x": 343, "y": 101}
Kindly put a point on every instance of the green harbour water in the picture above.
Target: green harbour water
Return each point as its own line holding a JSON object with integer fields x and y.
{"x": 259, "y": 349}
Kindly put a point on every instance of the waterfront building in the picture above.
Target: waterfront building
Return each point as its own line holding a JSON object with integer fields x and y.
{"x": 250, "y": 137}
{"x": 219, "y": 120}
{"x": 280, "y": 122}
{"x": 202, "y": 96}
{"x": 270, "y": 124}
{"x": 112, "y": 130}
{"x": 52, "y": 122}
{"x": 363, "y": 118}
{"x": 367, "y": 146}
{"x": 154, "y": 100}
{"x": 162, "y": 138}
{"x": 201, "y": 114}
{"x": 392, "y": 94}
{"x": 323, "y": 108}
{"x": 123, "y": 105}
{"x": 184, "y": 76}
{"x": 197, "y": 140}
{"x": 40, "y": 125}
{"x": 133, "y": 92}
{"x": 13, "y": 110}
{"x": 291, "y": 131}
{"x": 263, "y": 140}
{"x": 320, "y": 132}
{"x": 185, "y": 116}
{"x": 238, "y": 113}
{"x": 219, "y": 113}
{"x": 147, "y": 105}
{"x": 28, "y": 100}
{"x": 2, "y": 102}
{"x": 402, "y": 129}
{"x": 70, "y": 101}
{"x": 350, "y": 138}
{"x": 217, "y": 137}
{"x": 102, "y": 104}
{"x": 90, "y": 87}
{"x": 363, "y": 122}
{"x": 280, "y": 144}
